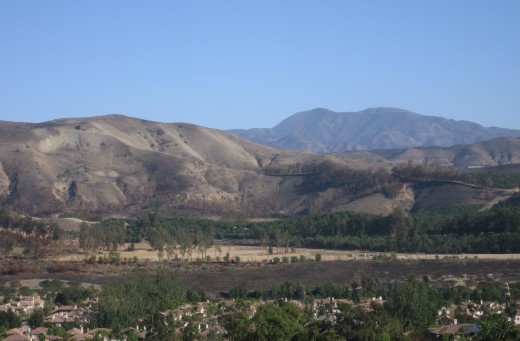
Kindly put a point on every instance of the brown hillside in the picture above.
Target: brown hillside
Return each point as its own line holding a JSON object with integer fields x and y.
{"x": 117, "y": 165}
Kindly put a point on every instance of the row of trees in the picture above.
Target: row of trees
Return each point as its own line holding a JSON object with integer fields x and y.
{"x": 488, "y": 179}
{"x": 108, "y": 234}
{"x": 453, "y": 230}
{"x": 29, "y": 226}
{"x": 458, "y": 229}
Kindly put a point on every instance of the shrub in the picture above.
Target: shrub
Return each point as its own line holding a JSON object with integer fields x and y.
{"x": 317, "y": 257}
{"x": 389, "y": 191}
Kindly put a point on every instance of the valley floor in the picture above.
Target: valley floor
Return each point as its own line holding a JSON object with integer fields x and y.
{"x": 217, "y": 278}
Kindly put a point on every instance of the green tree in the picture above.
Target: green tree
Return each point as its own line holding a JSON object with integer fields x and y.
{"x": 125, "y": 302}
{"x": 7, "y": 243}
{"x": 238, "y": 327}
{"x": 272, "y": 322}
{"x": 36, "y": 318}
{"x": 159, "y": 328}
{"x": 498, "y": 327}
{"x": 10, "y": 319}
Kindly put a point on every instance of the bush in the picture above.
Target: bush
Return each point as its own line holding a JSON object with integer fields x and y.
{"x": 276, "y": 260}
{"x": 317, "y": 257}
{"x": 92, "y": 259}
{"x": 294, "y": 259}
{"x": 285, "y": 259}
{"x": 389, "y": 191}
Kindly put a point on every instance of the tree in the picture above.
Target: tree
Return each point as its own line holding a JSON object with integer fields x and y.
{"x": 497, "y": 327}
{"x": 159, "y": 328}
{"x": 170, "y": 250}
{"x": 238, "y": 326}
{"x": 36, "y": 318}
{"x": 10, "y": 319}
{"x": 190, "y": 332}
{"x": 6, "y": 245}
{"x": 238, "y": 291}
{"x": 124, "y": 302}
{"x": 185, "y": 243}
{"x": 272, "y": 322}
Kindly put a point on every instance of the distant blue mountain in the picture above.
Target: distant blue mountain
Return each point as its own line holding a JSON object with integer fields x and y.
{"x": 323, "y": 130}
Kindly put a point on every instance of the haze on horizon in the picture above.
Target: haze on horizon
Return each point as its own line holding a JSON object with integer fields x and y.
{"x": 240, "y": 64}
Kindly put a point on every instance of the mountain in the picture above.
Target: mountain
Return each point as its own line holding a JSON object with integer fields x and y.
{"x": 322, "y": 130}
{"x": 495, "y": 152}
{"x": 116, "y": 163}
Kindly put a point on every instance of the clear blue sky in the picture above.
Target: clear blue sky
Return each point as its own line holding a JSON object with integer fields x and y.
{"x": 242, "y": 64}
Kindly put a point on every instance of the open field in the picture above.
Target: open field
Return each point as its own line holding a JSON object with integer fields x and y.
{"x": 143, "y": 251}
{"x": 217, "y": 278}
{"x": 257, "y": 269}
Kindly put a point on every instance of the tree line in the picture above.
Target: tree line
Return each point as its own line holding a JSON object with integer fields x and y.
{"x": 488, "y": 179}
{"x": 457, "y": 229}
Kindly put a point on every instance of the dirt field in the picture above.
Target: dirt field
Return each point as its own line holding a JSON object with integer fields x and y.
{"x": 255, "y": 269}
{"x": 217, "y": 278}
{"x": 143, "y": 251}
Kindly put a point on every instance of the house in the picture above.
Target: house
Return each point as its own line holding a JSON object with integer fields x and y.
{"x": 16, "y": 337}
{"x": 89, "y": 303}
{"x": 65, "y": 314}
{"x": 37, "y": 332}
{"x": 26, "y": 334}
{"x": 23, "y": 304}
{"x": 455, "y": 330}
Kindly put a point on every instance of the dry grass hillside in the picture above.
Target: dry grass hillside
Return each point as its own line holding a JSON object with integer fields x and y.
{"x": 117, "y": 165}
{"x": 500, "y": 151}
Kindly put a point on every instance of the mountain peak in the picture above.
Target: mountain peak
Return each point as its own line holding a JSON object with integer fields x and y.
{"x": 324, "y": 130}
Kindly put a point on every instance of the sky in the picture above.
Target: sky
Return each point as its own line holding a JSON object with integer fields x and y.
{"x": 242, "y": 64}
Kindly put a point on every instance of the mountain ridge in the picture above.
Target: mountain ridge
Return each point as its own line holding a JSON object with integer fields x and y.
{"x": 323, "y": 130}
{"x": 115, "y": 164}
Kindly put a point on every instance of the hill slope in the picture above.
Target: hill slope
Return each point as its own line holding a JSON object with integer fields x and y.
{"x": 495, "y": 152}
{"x": 118, "y": 165}
{"x": 322, "y": 130}
{"x": 113, "y": 163}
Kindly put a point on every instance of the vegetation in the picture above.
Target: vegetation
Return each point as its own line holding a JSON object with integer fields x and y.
{"x": 123, "y": 303}
{"x": 433, "y": 172}
{"x": 297, "y": 312}
{"x": 458, "y": 229}
{"x": 410, "y": 306}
